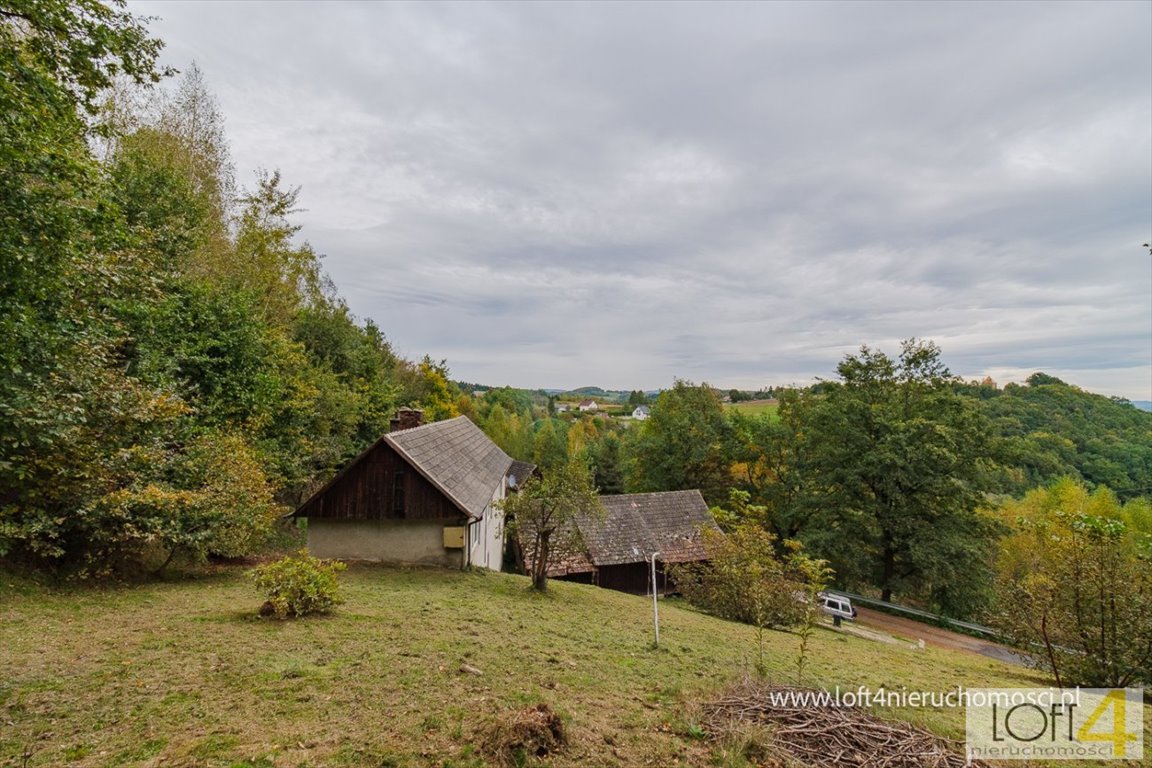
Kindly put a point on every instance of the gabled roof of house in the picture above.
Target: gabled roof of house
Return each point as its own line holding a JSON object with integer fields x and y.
{"x": 587, "y": 403}
{"x": 454, "y": 456}
{"x": 634, "y": 526}
{"x": 519, "y": 473}
{"x": 457, "y": 458}
{"x": 637, "y": 524}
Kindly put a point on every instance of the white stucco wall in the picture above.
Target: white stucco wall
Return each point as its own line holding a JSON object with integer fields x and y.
{"x": 396, "y": 541}
{"x": 488, "y": 551}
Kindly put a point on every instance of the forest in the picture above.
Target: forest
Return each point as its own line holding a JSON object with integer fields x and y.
{"x": 176, "y": 371}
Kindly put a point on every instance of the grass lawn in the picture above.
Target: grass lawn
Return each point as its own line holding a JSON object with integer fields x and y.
{"x": 755, "y": 407}
{"x": 183, "y": 673}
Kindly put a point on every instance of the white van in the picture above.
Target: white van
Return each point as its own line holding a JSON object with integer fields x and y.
{"x": 836, "y": 606}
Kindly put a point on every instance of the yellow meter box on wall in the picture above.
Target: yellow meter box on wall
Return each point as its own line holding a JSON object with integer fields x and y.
{"x": 454, "y": 537}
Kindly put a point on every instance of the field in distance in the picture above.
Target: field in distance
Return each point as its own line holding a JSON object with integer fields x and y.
{"x": 755, "y": 407}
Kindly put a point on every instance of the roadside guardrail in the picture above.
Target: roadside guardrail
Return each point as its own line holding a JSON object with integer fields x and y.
{"x": 965, "y": 626}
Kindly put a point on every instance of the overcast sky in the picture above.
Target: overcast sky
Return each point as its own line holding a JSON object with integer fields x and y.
{"x": 560, "y": 195}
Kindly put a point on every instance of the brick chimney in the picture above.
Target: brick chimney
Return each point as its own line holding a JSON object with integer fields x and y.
{"x": 406, "y": 418}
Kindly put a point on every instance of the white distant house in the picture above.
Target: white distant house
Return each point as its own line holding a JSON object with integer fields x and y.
{"x": 641, "y": 412}
{"x": 563, "y": 407}
{"x": 588, "y": 405}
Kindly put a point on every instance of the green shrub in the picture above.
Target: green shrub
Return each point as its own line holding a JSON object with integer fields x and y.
{"x": 298, "y": 585}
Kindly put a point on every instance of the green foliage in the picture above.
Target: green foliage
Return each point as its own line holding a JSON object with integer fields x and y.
{"x": 542, "y": 515}
{"x": 744, "y": 579}
{"x": 298, "y": 585}
{"x": 512, "y": 431}
{"x": 1051, "y": 429}
{"x": 58, "y": 257}
{"x": 71, "y": 50}
{"x": 213, "y": 498}
{"x": 684, "y": 444}
{"x": 894, "y": 464}
{"x": 814, "y": 574}
{"x": 766, "y": 472}
{"x": 172, "y": 367}
{"x": 166, "y": 213}
{"x": 433, "y": 392}
{"x": 605, "y": 458}
{"x": 284, "y": 277}
{"x": 1075, "y": 584}
{"x": 549, "y": 445}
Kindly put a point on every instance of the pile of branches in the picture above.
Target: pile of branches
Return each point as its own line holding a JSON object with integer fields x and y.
{"x": 825, "y": 735}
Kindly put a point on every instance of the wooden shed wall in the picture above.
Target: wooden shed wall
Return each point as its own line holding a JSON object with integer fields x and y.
{"x": 381, "y": 485}
{"x": 633, "y": 578}
{"x": 626, "y": 577}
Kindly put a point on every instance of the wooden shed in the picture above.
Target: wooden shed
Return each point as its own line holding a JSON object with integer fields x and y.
{"x": 425, "y": 494}
{"x": 634, "y": 526}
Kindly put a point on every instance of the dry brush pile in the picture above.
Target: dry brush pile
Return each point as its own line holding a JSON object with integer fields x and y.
{"x": 822, "y": 735}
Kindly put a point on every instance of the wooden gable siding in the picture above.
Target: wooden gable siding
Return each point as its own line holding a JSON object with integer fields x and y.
{"x": 367, "y": 490}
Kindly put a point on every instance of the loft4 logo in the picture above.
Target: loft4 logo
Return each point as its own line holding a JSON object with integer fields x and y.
{"x": 1110, "y": 716}
{"x": 1050, "y": 724}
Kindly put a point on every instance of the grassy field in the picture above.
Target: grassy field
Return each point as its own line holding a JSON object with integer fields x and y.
{"x": 755, "y": 407}
{"x": 183, "y": 673}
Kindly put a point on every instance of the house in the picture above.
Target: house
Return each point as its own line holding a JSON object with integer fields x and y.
{"x": 563, "y": 407}
{"x": 641, "y": 412}
{"x": 423, "y": 493}
{"x": 588, "y": 405}
{"x": 618, "y": 546}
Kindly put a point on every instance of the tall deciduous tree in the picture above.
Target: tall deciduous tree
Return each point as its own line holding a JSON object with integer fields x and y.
{"x": 894, "y": 463}
{"x": 65, "y": 409}
{"x": 684, "y": 444}
{"x": 167, "y": 370}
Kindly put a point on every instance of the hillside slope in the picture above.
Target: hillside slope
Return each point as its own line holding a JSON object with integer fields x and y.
{"x": 184, "y": 674}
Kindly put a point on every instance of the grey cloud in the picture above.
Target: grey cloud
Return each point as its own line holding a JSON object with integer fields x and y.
{"x": 564, "y": 194}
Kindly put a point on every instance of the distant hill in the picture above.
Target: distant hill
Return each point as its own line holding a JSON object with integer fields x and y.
{"x": 597, "y": 393}
{"x": 580, "y": 393}
{"x": 1144, "y": 405}
{"x": 588, "y": 392}
{"x": 1051, "y": 429}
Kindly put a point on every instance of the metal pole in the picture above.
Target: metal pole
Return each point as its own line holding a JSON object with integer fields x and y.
{"x": 655, "y": 608}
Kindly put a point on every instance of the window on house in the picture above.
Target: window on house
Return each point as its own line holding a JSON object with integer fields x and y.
{"x": 398, "y": 493}
{"x": 475, "y": 528}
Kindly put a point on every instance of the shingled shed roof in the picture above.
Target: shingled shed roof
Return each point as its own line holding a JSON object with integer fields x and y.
{"x": 634, "y": 526}
{"x": 457, "y": 458}
{"x": 520, "y": 472}
{"x": 637, "y": 524}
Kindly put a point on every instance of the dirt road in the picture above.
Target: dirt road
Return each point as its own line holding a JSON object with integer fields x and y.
{"x": 912, "y": 631}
